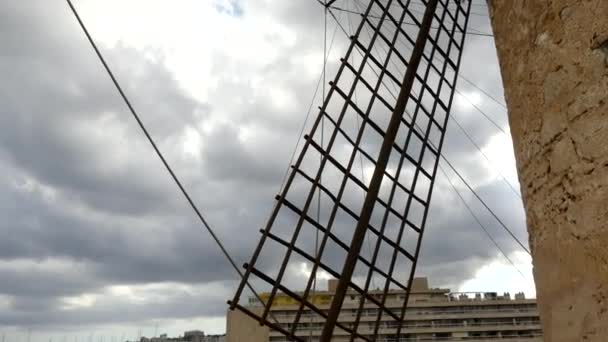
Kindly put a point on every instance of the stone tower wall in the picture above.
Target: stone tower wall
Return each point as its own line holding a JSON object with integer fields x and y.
{"x": 554, "y": 63}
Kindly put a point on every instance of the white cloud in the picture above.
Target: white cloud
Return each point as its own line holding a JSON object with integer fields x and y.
{"x": 200, "y": 44}
{"x": 466, "y": 101}
{"x": 500, "y": 276}
{"x": 500, "y": 152}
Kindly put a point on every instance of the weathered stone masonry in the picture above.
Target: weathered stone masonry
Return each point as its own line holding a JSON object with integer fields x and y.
{"x": 554, "y": 63}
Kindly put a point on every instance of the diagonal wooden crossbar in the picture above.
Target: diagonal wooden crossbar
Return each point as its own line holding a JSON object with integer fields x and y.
{"x": 388, "y": 106}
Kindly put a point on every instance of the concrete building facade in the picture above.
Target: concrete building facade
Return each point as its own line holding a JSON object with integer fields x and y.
{"x": 433, "y": 315}
{"x": 554, "y": 62}
{"x": 189, "y": 336}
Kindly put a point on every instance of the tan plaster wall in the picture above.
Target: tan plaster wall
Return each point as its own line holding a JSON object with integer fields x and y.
{"x": 554, "y": 64}
{"x": 242, "y": 328}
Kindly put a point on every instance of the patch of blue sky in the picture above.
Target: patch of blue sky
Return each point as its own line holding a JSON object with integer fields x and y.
{"x": 232, "y": 8}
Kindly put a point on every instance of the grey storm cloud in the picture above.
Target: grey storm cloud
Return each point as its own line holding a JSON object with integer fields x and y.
{"x": 86, "y": 204}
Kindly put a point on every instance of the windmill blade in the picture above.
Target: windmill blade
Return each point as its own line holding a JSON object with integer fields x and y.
{"x": 398, "y": 81}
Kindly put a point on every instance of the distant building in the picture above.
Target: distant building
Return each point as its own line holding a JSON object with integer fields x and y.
{"x": 215, "y": 338}
{"x": 161, "y": 338}
{"x": 189, "y": 336}
{"x": 432, "y": 315}
{"x": 194, "y": 336}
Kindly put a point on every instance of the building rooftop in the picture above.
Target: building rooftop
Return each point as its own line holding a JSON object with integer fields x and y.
{"x": 421, "y": 293}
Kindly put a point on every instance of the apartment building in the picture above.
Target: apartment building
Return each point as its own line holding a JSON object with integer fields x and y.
{"x": 433, "y": 314}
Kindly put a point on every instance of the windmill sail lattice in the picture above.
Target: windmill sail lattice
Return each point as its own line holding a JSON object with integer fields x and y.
{"x": 398, "y": 84}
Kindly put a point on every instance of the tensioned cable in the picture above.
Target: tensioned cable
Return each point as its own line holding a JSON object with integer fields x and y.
{"x": 156, "y": 149}
{"x": 482, "y": 113}
{"x": 498, "y": 102}
{"x": 503, "y": 225}
{"x": 312, "y": 102}
{"x": 467, "y": 206}
{"x": 455, "y": 171}
{"x": 470, "y": 138}
{"x": 372, "y": 68}
{"x": 486, "y": 206}
{"x": 405, "y": 23}
{"x": 486, "y": 157}
{"x": 466, "y": 134}
{"x": 478, "y": 32}
{"x": 421, "y": 12}
{"x": 325, "y": 56}
{"x": 489, "y": 119}
{"x": 480, "y": 224}
{"x": 450, "y": 6}
{"x": 358, "y": 127}
{"x": 455, "y": 89}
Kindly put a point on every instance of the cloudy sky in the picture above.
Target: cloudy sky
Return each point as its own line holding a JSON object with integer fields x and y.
{"x": 97, "y": 242}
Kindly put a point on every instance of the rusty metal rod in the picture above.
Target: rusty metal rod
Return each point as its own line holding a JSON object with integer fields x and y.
{"x": 376, "y": 181}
